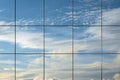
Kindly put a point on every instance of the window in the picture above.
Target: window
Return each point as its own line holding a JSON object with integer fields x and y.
{"x": 59, "y": 40}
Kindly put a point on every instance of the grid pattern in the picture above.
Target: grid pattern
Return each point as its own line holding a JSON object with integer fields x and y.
{"x": 72, "y": 28}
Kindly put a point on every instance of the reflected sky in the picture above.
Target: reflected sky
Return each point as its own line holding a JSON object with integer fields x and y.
{"x": 87, "y": 66}
{"x": 7, "y": 67}
{"x": 29, "y": 39}
{"x": 111, "y": 66}
{"x": 29, "y": 67}
{"x": 58, "y": 39}
{"x": 58, "y": 67}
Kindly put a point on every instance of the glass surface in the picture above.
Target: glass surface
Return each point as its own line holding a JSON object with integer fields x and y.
{"x": 29, "y": 12}
{"x": 87, "y": 67}
{"x": 7, "y": 15}
{"x": 58, "y": 39}
{"x": 87, "y": 12}
{"x": 29, "y": 39}
{"x": 58, "y": 67}
{"x": 7, "y": 68}
{"x": 111, "y": 39}
{"x": 87, "y": 39}
{"x": 58, "y": 12}
{"x": 111, "y": 11}
{"x": 111, "y": 66}
{"x": 29, "y": 67}
{"x": 7, "y": 39}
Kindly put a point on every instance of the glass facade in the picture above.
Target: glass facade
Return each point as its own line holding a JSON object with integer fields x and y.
{"x": 59, "y": 40}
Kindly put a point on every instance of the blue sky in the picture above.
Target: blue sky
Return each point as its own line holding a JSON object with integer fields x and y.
{"x": 58, "y": 39}
{"x": 7, "y": 12}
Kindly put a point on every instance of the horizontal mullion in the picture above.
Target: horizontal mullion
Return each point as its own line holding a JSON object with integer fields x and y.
{"x": 60, "y": 25}
{"x": 57, "y": 53}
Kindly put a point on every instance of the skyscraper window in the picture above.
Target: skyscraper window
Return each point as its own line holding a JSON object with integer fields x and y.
{"x": 59, "y": 40}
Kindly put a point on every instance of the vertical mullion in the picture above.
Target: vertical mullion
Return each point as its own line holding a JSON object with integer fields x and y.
{"x": 15, "y": 34}
{"x": 43, "y": 39}
{"x": 101, "y": 41}
{"x": 72, "y": 39}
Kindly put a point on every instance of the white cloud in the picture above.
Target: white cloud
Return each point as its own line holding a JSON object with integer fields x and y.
{"x": 53, "y": 79}
{"x": 26, "y": 39}
{"x": 110, "y": 33}
{"x": 52, "y": 62}
{"x": 59, "y": 46}
{"x": 89, "y": 66}
{"x": 6, "y": 76}
{"x": 7, "y": 62}
{"x": 62, "y": 46}
{"x": 111, "y": 38}
{"x": 106, "y": 79}
{"x": 117, "y": 59}
{"x": 111, "y": 17}
{"x": 30, "y": 40}
{"x": 2, "y": 10}
{"x": 29, "y": 74}
{"x": 37, "y": 78}
{"x": 28, "y": 22}
{"x": 116, "y": 76}
{"x": 5, "y": 23}
{"x": 85, "y": 43}
{"x": 7, "y": 34}
{"x": 1, "y": 50}
{"x": 9, "y": 69}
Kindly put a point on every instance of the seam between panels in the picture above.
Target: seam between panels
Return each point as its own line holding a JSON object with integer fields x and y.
{"x": 43, "y": 39}
{"x": 60, "y": 25}
{"x": 15, "y": 37}
{"x": 101, "y": 40}
{"x": 54, "y": 53}
{"x": 72, "y": 39}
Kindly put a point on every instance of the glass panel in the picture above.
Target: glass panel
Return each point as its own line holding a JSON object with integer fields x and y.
{"x": 58, "y": 39}
{"x": 111, "y": 39}
{"x": 29, "y": 67}
{"x": 87, "y": 12}
{"x": 58, "y": 67}
{"x": 29, "y": 39}
{"x": 111, "y": 11}
{"x": 7, "y": 68}
{"x": 58, "y": 12}
{"x": 7, "y": 39}
{"x": 7, "y": 12}
{"x": 87, "y": 39}
{"x": 111, "y": 67}
{"x": 29, "y": 12}
{"x": 87, "y": 66}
